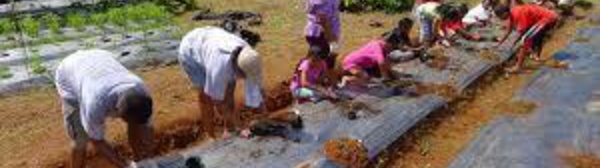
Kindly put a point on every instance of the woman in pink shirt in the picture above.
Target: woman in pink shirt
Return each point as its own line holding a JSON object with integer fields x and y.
{"x": 370, "y": 61}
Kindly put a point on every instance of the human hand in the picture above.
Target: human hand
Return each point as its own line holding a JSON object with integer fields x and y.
{"x": 132, "y": 164}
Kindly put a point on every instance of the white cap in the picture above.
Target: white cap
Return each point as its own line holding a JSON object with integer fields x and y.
{"x": 251, "y": 64}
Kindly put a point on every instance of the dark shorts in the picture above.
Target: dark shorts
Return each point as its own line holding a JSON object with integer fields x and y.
{"x": 536, "y": 41}
{"x": 322, "y": 42}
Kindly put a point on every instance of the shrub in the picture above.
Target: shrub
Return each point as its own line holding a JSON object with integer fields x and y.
{"x": 52, "y": 22}
{"x": 31, "y": 26}
{"x": 389, "y": 6}
{"x": 76, "y": 21}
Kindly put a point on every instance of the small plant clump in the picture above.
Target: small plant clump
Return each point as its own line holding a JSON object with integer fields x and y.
{"x": 52, "y": 22}
{"x": 6, "y": 26}
{"x": 76, "y": 21}
{"x": 36, "y": 64}
{"x": 5, "y": 72}
{"x": 31, "y": 26}
{"x": 389, "y": 6}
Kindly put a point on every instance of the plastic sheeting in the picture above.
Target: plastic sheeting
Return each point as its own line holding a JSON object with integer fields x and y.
{"x": 561, "y": 121}
{"x": 324, "y": 121}
{"x": 160, "y": 48}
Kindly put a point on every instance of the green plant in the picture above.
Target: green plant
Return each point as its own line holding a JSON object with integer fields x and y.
{"x": 117, "y": 16}
{"x": 52, "y": 22}
{"x": 389, "y": 6}
{"x": 98, "y": 20}
{"x": 6, "y": 26}
{"x": 36, "y": 64}
{"x": 76, "y": 21}
{"x": 31, "y": 26}
{"x": 5, "y": 72}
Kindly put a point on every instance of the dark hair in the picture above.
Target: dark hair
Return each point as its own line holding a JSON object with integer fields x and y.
{"x": 317, "y": 51}
{"x": 452, "y": 11}
{"x": 393, "y": 38}
{"x": 250, "y": 37}
{"x": 501, "y": 10}
{"x": 138, "y": 107}
{"x": 405, "y": 23}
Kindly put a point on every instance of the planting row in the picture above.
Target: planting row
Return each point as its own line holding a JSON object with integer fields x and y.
{"x": 52, "y": 27}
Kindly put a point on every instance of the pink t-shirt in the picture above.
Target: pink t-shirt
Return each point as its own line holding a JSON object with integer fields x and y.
{"x": 369, "y": 56}
{"x": 314, "y": 73}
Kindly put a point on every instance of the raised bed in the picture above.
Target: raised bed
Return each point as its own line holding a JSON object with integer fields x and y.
{"x": 324, "y": 121}
{"x": 567, "y": 119}
{"x": 134, "y": 50}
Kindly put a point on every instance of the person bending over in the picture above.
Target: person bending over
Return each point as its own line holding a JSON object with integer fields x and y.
{"x": 93, "y": 86}
{"x": 214, "y": 59}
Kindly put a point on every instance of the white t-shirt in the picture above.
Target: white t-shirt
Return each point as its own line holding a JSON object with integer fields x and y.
{"x": 93, "y": 79}
{"x": 212, "y": 48}
{"x": 476, "y": 14}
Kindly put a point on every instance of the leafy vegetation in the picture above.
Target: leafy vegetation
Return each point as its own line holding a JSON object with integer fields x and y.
{"x": 36, "y": 64}
{"x": 5, "y": 72}
{"x": 6, "y": 27}
{"x": 31, "y": 26}
{"x": 76, "y": 21}
{"x": 52, "y": 22}
{"x": 389, "y": 6}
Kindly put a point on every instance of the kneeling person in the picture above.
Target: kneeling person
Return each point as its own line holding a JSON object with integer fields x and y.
{"x": 94, "y": 86}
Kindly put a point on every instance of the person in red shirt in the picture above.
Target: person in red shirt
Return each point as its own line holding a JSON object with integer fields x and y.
{"x": 532, "y": 23}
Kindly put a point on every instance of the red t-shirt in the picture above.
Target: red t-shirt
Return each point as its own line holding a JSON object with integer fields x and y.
{"x": 525, "y": 16}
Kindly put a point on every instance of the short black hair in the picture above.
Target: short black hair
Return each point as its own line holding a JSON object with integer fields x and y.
{"x": 501, "y": 10}
{"x": 138, "y": 106}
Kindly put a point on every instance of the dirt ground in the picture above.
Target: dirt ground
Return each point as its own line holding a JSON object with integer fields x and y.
{"x": 438, "y": 139}
{"x": 32, "y": 125}
{"x": 33, "y": 133}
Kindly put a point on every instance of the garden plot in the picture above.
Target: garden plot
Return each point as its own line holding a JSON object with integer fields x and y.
{"x": 30, "y": 6}
{"x": 327, "y": 121}
{"x": 134, "y": 50}
{"x": 567, "y": 122}
{"x": 457, "y": 66}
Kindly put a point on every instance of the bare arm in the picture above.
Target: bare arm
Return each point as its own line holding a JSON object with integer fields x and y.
{"x": 507, "y": 32}
{"x": 109, "y": 153}
{"x": 386, "y": 70}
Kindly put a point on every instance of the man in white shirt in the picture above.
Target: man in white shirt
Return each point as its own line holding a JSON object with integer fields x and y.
{"x": 213, "y": 59}
{"x": 93, "y": 86}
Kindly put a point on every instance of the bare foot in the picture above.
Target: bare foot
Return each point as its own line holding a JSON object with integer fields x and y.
{"x": 513, "y": 69}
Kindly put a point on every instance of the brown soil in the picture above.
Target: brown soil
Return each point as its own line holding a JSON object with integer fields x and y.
{"x": 346, "y": 152}
{"x": 443, "y": 90}
{"x": 582, "y": 161}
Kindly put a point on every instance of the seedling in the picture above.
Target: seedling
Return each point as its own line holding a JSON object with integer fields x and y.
{"x": 36, "y": 64}
{"x": 6, "y": 27}
{"x": 31, "y": 26}
{"x": 5, "y": 72}
{"x": 76, "y": 21}
{"x": 52, "y": 22}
